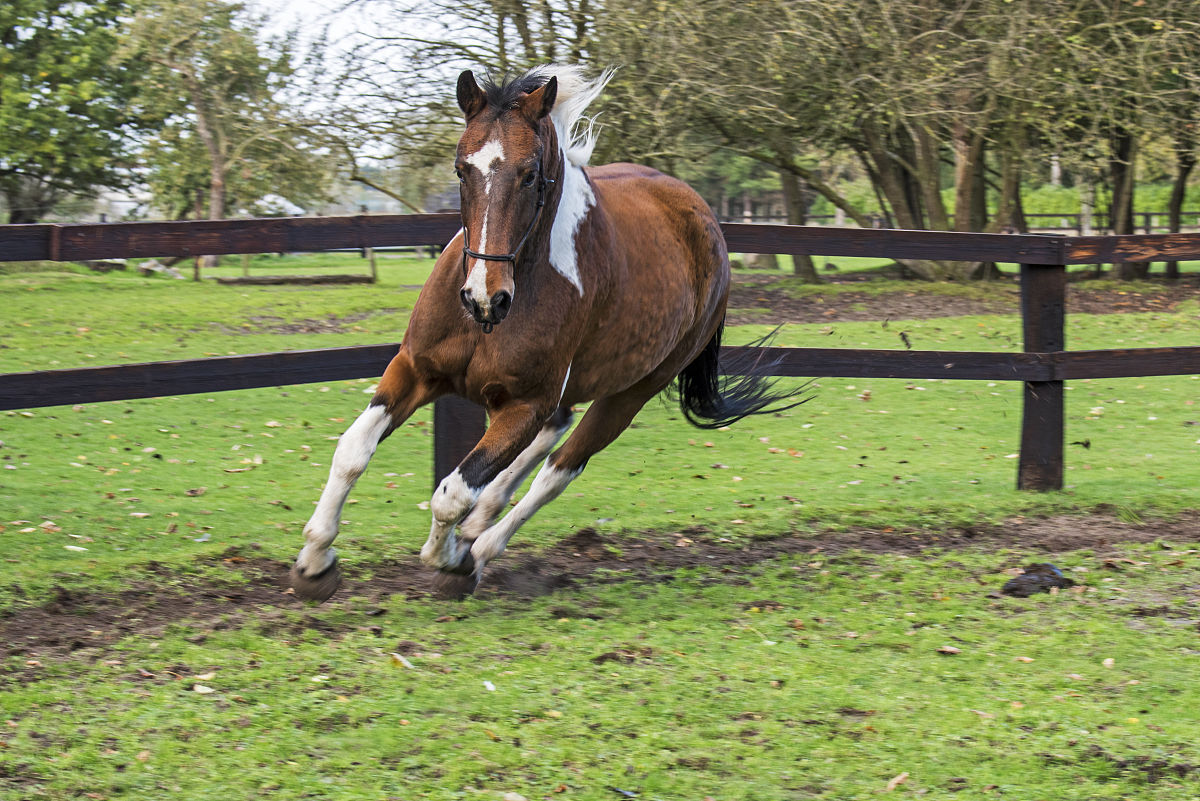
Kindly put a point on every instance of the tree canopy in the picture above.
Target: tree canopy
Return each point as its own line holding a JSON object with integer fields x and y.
{"x": 69, "y": 107}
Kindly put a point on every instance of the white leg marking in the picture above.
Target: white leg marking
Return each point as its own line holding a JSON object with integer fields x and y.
{"x": 354, "y": 451}
{"x": 500, "y": 491}
{"x": 576, "y": 199}
{"x": 450, "y": 503}
{"x": 548, "y": 485}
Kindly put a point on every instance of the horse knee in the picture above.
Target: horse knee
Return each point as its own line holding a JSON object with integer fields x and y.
{"x": 357, "y": 445}
{"x": 452, "y": 499}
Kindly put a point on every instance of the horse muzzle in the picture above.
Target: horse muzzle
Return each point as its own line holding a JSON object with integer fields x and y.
{"x": 491, "y": 312}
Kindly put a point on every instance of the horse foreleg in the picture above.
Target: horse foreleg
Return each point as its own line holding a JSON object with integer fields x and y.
{"x": 498, "y": 493}
{"x": 602, "y": 424}
{"x": 512, "y": 430}
{"x": 315, "y": 576}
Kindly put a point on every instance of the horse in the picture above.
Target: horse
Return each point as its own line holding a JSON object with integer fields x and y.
{"x": 568, "y": 283}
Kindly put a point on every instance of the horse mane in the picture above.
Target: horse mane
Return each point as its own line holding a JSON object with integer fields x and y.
{"x": 575, "y": 93}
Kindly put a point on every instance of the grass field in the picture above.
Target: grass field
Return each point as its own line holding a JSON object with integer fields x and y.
{"x": 803, "y": 676}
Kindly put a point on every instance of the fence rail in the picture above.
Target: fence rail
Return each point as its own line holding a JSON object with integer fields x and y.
{"x": 1043, "y": 365}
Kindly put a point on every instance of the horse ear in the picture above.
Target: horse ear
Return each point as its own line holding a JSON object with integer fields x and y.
{"x": 537, "y": 104}
{"x": 471, "y": 98}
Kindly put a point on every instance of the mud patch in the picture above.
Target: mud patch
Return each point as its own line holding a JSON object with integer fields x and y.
{"x": 75, "y": 620}
{"x": 332, "y": 324}
{"x": 753, "y": 300}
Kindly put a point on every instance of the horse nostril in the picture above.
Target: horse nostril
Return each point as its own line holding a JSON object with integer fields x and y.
{"x": 467, "y": 301}
{"x": 501, "y": 303}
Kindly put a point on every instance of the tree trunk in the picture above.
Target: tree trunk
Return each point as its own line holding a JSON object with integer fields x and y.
{"x": 968, "y": 179}
{"x": 1121, "y": 169}
{"x": 1185, "y": 162}
{"x": 213, "y": 142}
{"x": 797, "y": 199}
{"x": 928, "y": 178}
{"x": 28, "y": 199}
{"x": 890, "y": 177}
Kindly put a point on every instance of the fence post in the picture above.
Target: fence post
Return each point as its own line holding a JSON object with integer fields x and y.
{"x": 1043, "y": 313}
{"x": 457, "y": 425}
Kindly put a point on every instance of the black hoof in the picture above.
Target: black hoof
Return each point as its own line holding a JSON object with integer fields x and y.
{"x": 458, "y": 581}
{"x": 453, "y": 586}
{"x": 317, "y": 588}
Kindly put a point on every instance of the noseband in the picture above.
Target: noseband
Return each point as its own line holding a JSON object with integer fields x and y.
{"x": 543, "y": 182}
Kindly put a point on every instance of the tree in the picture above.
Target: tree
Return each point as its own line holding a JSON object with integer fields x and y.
{"x": 236, "y": 130}
{"x": 68, "y": 103}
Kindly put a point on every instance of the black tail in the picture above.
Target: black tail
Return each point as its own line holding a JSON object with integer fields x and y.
{"x": 714, "y": 393}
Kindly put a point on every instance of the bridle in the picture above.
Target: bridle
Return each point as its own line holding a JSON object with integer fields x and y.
{"x": 543, "y": 182}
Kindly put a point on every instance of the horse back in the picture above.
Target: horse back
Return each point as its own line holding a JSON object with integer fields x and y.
{"x": 658, "y": 259}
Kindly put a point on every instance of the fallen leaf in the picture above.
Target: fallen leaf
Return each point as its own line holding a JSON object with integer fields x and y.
{"x": 203, "y": 690}
{"x": 896, "y": 781}
{"x": 949, "y": 649}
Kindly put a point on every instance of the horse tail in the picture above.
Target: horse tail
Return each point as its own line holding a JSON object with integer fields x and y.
{"x": 715, "y": 392}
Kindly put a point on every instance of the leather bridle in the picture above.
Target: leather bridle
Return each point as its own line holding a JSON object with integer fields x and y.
{"x": 543, "y": 182}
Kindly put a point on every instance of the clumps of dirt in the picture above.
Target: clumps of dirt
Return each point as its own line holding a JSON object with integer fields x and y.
{"x": 626, "y": 655}
{"x": 748, "y": 302}
{"x": 1153, "y": 768}
{"x": 75, "y": 620}
{"x": 1038, "y": 577}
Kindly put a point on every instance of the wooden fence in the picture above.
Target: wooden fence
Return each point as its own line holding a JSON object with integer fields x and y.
{"x": 1043, "y": 365}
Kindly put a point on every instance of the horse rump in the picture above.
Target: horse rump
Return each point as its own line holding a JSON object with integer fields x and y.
{"x": 714, "y": 392}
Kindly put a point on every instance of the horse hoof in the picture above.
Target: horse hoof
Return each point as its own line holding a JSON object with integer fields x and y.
{"x": 317, "y": 588}
{"x": 454, "y": 586}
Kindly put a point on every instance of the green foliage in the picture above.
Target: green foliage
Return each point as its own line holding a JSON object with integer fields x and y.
{"x": 234, "y": 133}
{"x": 68, "y": 106}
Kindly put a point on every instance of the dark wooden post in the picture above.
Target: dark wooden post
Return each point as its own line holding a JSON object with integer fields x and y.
{"x": 1043, "y": 312}
{"x": 457, "y": 425}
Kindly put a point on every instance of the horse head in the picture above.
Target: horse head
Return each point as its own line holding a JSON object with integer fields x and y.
{"x": 505, "y": 162}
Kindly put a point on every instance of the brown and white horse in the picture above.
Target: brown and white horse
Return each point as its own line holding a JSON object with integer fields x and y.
{"x": 567, "y": 284}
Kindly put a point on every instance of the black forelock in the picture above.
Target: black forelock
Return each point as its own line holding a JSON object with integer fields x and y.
{"x": 504, "y": 92}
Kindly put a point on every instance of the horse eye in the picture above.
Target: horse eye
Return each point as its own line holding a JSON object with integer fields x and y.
{"x": 459, "y": 173}
{"x": 528, "y": 180}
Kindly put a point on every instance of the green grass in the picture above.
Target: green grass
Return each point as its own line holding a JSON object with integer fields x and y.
{"x": 806, "y": 679}
{"x": 831, "y": 690}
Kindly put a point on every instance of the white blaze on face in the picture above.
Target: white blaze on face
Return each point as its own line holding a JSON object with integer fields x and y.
{"x": 485, "y": 160}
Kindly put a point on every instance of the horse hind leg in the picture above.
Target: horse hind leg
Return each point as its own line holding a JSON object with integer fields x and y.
{"x": 513, "y": 429}
{"x": 603, "y": 423}
{"x": 498, "y": 493}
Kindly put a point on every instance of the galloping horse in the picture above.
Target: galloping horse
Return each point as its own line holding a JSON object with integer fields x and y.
{"x": 567, "y": 284}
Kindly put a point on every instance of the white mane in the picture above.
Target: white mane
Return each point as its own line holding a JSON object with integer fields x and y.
{"x": 576, "y": 133}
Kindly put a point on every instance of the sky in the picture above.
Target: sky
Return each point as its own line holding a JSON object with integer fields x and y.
{"x": 312, "y": 15}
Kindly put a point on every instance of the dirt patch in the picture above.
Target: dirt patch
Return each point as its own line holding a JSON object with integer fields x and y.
{"x": 332, "y": 324}
{"x": 753, "y": 300}
{"x": 75, "y": 620}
